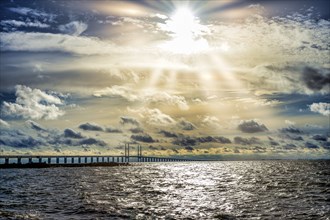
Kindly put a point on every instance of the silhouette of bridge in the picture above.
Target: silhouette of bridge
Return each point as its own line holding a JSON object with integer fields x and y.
{"x": 86, "y": 159}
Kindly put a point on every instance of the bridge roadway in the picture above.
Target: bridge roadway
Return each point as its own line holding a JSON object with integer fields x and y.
{"x": 83, "y": 159}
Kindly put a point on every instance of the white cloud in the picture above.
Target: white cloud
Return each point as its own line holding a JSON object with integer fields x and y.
{"x": 21, "y": 41}
{"x": 33, "y": 12}
{"x": 74, "y": 28}
{"x": 4, "y": 123}
{"x": 321, "y": 108}
{"x": 211, "y": 121}
{"x": 154, "y": 116}
{"x": 33, "y": 104}
{"x": 143, "y": 96}
{"x": 15, "y": 23}
{"x": 288, "y": 122}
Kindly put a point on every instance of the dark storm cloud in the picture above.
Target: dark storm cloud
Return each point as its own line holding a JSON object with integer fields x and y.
{"x": 251, "y": 126}
{"x": 95, "y": 127}
{"x": 292, "y": 137}
{"x": 246, "y": 141}
{"x": 314, "y": 80}
{"x": 168, "y": 134}
{"x": 112, "y": 130}
{"x": 273, "y": 143}
{"x": 291, "y": 129}
{"x": 208, "y": 139}
{"x": 152, "y": 147}
{"x": 319, "y": 137}
{"x": 311, "y": 145}
{"x": 92, "y": 141}
{"x": 189, "y": 148}
{"x": 90, "y": 127}
{"x": 185, "y": 141}
{"x": 71, "y": 138}
{"x": 136, "y": 130}
{"x": 129, "y": 120}
{"x": 143, "y": 138}
{"x": 35, "y": 125}
{"x": 18, "y": 139}
{"x": 326, "y": 145}
{"x": 186, "y": 125}
{"x": 70, "y": 133}
{"x": 289, "y": 146}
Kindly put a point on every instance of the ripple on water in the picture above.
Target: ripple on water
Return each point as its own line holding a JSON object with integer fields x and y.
{"x": 201, "y": 190}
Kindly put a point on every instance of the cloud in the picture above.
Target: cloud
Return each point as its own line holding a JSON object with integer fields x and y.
{"x": 33, "y": 13}
{"x": 251, "y": 126}
{"x": 92, "y": 141}
{"x": 4, "y": 123}
{"x": 186, "y": 125}
{"x": 70, "y": 133}
{"x": 289, "y": 146}
{"x": 112, "y": 130}
{"x": 185, "y": 141}
{"x": 211, "y": 121}
{"x": 273, "y": 143}
{"x": 46, "y": 42}
{"x": 18, "y": 139}
{"x": 35, "y": 125}
{"x": 168, "y": 134}
{"x": 292, "y": 137}
{"x": 33, "y": 104}
{"x": 129, "y": 120}
{"x": 91, "y": 127}
{"x": 321, "y": 108}
{"x": 291, "y": 129}
{"x": 16, "y": 24}
{"x": 311, "y": 145}
{"x": 95, "y": 127}
{"x": 189, "y": 148}
{"x": 143, "y": 138}
{"x": 154, "y": 116}
{"x": 74, "y": 28}
{"x": 144, "y": 96}
{"x": 314, "y": 80}
{"x": 136, "y": 130}
{"x": 246, "y": 141}
{"x": 319, "y": 137}
{"x": 288, "y": 122}
{"x": 207, "y": 139}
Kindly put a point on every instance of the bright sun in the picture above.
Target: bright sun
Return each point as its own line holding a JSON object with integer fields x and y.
{"x": 187, "y": 33}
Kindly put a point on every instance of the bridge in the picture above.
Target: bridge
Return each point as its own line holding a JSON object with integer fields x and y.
{"x": 86, "y": 159}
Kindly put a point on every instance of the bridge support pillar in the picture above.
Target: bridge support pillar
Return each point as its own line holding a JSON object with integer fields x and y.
{"x": 6, "y": 160}
{"x": 65, "y": 160}
{"x": 19, "y": 160}
{"x": 79, "y": 160}
{"x": 49, "y": 160}
{"x": 40, "y": 159}
{"x": 72, "y": 160}
{"x": 57, "y": 160}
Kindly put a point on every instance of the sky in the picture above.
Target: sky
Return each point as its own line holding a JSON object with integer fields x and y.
{"x": 200, "y": 79}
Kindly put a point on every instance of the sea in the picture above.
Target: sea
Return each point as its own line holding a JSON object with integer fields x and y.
{"x": 274, "y": 189}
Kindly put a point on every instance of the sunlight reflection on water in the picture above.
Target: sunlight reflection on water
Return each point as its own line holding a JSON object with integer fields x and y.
{"x": 198, "y": 190}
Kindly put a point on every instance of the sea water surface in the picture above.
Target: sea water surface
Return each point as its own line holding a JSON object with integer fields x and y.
{"x": 191, "y": 190}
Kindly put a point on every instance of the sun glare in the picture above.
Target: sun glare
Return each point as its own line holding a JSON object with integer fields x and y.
{"x": 186, "y": 32}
